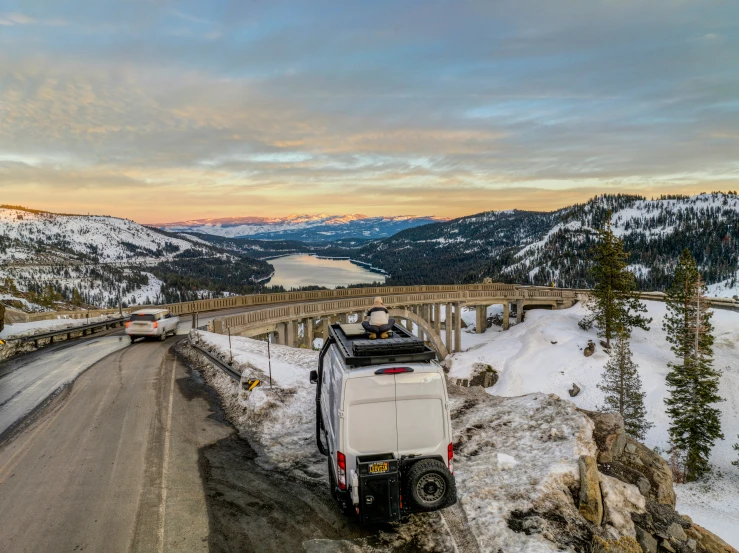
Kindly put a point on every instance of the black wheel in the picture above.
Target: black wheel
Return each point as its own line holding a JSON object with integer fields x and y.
{"x": 133, "y": 339}
{"x": 162, "y": 336}
{"x": 431, "y": 485}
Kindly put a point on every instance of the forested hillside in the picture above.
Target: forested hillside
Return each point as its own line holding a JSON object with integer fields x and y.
{"x": 541, "y": 248}
{"x": 57, "y": 261}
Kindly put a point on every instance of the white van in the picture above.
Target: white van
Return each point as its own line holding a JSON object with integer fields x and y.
{"x": 383, "y": 420}
{"x": 152, "y": 323}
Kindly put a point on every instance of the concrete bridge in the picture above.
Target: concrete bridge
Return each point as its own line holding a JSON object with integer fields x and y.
{"x": 296, "y": 318}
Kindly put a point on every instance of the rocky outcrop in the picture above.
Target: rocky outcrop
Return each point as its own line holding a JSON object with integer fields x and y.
{"x": 2, "y": 317}
{"x": 654, "y": 522}
{"x": 591, "y": 501}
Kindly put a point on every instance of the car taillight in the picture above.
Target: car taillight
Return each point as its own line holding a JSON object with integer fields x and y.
{"x": 156, "y": 324}
{"x": 394, "y": 370}
{"x": 450, "y": 457}
{"x": 341, "y": 464}
{"x": 128, "y": 323}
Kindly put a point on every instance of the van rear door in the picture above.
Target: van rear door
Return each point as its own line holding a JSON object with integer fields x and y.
{"x": 421, "y": 424}
{"x": 370, "y": 415}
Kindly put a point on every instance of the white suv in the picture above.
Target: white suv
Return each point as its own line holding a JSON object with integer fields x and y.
{"x": 152, "y": 323}
{"x": 382, "y": 411}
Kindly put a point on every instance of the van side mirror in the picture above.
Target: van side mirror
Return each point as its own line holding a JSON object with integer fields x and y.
{"x": 314, "y": 377}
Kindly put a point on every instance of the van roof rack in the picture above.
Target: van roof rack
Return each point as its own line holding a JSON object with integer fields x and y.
{"x": 401, "y": 347}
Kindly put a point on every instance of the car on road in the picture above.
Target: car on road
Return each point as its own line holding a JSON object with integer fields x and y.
{"x": 152, "y": 323}
{"x": 383, "y": 420}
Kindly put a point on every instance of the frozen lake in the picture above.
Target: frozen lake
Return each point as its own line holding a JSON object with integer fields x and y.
{"x": 305, "y": 270}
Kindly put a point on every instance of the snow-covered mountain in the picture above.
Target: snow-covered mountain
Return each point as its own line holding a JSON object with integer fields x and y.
{"x": 541, "y": 248}
{"x": 53, "y": 260}
{"x": 306, "y": 228}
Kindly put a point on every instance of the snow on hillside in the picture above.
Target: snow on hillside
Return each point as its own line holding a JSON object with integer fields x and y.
{"x": 513, "y": 454}
{"x": 108, "y": 239}
{"x": 544, "y": 354}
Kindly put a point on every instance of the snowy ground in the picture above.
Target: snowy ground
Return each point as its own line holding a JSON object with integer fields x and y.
{"x": 513, "y": 455}
{"x": 544, "y": 354}
{"x": 23, "y": 329}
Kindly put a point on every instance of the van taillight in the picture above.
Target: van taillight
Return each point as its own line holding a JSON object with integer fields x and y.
{"x": 394, "y": 370}
{"x": 156, "y": 324}
{"x": 450, "y": 457}
{"x": 341, "y": 464}
{"x": 128, "y": 323}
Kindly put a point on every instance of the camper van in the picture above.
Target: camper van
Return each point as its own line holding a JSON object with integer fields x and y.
{"x": 383, "y": 421}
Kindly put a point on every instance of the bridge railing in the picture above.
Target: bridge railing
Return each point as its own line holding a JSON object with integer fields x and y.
{"x": 202, "y": 306}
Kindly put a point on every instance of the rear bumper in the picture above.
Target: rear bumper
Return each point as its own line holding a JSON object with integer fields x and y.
{"x": 144, "y": 332}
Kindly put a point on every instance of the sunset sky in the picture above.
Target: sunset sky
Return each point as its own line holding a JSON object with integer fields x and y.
{"x": 162, "y": 111}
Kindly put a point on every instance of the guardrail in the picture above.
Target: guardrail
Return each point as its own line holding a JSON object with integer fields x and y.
{"x": 218, "y": 363}
{"x": 50, "y": 335}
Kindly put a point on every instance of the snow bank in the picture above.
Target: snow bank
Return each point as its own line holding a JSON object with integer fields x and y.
{"x": 544, "y": 354}
{"x": 516, "y": 459}
{"x": 19, "y": 330}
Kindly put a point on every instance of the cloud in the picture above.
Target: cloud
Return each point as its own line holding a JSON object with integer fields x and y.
{"x": 287, "y": 106}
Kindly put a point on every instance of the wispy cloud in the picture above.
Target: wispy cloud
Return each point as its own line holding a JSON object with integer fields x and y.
{"x": 294, "y": 106}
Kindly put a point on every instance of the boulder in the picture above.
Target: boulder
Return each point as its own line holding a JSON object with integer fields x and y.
{"x": 591, "y": 501}
{"x": 676, "y": 531}
{"x": 589, "y": 349}
{"x": 653, "y": 467}
{"x": 574, "y": 390}
{"x": 483, "y": 375}
{"x": 609, "y": 434}
{"x": 646, "y": 541}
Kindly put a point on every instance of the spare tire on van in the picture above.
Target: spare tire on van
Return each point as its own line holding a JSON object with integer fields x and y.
{"x": 430, "y": 485}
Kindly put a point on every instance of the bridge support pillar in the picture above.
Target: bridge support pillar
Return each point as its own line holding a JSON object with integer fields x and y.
{"x": 457, "y": 327}
{"x": 519, "y": 311}
{"x": 437, "y": 318}
{"x": 481, "y": 318}
{"x": 308, "y": 332}
{"x": 448, "y": 326}
{"x": 408, "y": 322}
{"x": 292, "y": 334}
{"x": 281, "y": 333}
{"x": 506, "y": 316}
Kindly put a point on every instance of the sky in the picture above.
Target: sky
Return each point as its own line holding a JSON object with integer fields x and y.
{"x": 165, "y": 111}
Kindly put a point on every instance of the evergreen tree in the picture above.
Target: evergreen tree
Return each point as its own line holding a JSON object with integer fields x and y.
{"x": 622, "y": 387}
{"x": 736, "y": 447}
{"x": 693, "y": 382}
{"x": 615, "y": 304}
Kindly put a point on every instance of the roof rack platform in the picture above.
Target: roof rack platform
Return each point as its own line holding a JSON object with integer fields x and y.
{"x": 401, "y": 347}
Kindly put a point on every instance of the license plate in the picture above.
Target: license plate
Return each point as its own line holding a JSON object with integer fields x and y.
{"x": 376, "y": 468}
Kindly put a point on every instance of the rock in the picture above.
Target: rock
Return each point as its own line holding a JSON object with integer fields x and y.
{"x": 604, "y": 345}
{"x": 589, "y": 349}
{"x": 591, "y": 501}
{"x": 608, "y": 434}
{"x": 628, "y": 475}
{"x": 692, "y": 544}
{"x": 446, "y": 364}
{"x": 484, "y": 375}
{"x": 676, "y": 531}
{"x": 621, "y": 501}
{"x": 646, "y": 541}
{"x": 666, "y": 546}
{"x": 710, "y": 542}
{"x": 653, "y": 467}
{"x": 575, "y": 390}
{"x": 2, "y": 317}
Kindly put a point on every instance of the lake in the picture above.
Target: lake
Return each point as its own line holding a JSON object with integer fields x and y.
{"x": 293, "y": 271}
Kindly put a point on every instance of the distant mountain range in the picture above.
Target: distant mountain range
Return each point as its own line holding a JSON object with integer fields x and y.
{"x": 305, "y": 228}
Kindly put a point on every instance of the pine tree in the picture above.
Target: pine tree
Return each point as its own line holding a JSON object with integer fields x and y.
{"x": 615, "y": 304}
{"x": 692, "y": 380}
{"x": 736, "y": 448}
{"x": 622, "y": 387}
